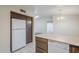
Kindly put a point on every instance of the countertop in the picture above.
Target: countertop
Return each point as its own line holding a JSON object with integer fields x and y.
{"x": 73, "y": 40}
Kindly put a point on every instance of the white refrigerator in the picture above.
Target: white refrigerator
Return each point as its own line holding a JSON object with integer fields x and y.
{"x": 18, "y": 34}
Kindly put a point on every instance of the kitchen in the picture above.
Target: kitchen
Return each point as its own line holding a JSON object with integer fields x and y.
{"x": 56, "y": 23}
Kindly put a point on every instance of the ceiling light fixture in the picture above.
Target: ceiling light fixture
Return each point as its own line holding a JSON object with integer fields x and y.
{"x": 60, "y": 16}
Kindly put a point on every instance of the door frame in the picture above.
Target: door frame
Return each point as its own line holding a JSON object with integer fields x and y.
{"x": 17, "y": 16}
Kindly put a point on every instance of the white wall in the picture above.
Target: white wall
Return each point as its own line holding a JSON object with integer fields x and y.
{"x": 5, "y": 25}
{"x": 68, "y": 26}
{"x": 40, "y": 24}
{"x": 4, "y": 29}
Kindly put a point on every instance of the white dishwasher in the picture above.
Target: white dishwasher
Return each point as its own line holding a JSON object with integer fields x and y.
{"x": 57, "y": 47}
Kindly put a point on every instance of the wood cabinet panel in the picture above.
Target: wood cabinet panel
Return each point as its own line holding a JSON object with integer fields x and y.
{"x": 42, "y": 39}
{"x": 73, "y": 49}
{"x": 41, "y": 44}
{"x": 29, "y": 29}
{"x": 39, "y": 50}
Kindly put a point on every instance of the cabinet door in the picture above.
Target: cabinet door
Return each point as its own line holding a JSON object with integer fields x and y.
{"x": 73, "y": 49}
{"x": 41, "y": 45}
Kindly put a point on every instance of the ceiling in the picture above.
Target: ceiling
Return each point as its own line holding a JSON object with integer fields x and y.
{"x": 49, "y": 10}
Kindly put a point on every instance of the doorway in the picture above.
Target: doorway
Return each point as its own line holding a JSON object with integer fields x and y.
{"x": 20, "y": 31}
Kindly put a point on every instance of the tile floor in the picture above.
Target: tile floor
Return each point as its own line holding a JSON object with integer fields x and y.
{"x": 30, "y": 48}
{"x": 54, "y": 47}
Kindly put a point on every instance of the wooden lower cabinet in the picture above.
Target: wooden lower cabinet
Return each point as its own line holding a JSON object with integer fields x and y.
{"x": 73, "y": 49}
{"x": 41, "y": 45}
{"x": 39, "y": 50}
